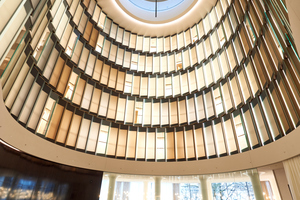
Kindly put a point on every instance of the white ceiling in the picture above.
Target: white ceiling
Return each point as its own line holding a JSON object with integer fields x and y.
{"x": 187, "y": 19}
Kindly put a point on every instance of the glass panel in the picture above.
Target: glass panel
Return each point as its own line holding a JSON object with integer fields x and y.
{"x": 120, "y": 81}
{"x": 134, "y": 61}
{"x": 235, "y": 90}
{"x": 191, "y": 109}
{"x": 131, "y": 142}
{"x": 186, "y": 58}
{"x": 179, "y": 65}
{"x": 192, "y": 80}
{"x": 200, "y": 148}
{"x": 218, "y": 101}
{"x": 92, "y": 138}
{"x": 208, "y": 74}
{"x": 132, "y": 41}
{"x": 173, "y": 112}
{"x": 122, "y": 139}
{"x": 182, "y": 111}
{"x": 189, "y": 140}
{"x": 209, "y": 107}
{"x": 136, "y": 84}
{"x": 240, "y": 131}
{"x": 150, "y": 144}
{"x": 250, "y": 127}
{"x": 194, "y": 33}
{"x": 184, "y": 83}
{"x": 160, "y": 144}
{"x": 229, "y": 134}
{"x": 219, "y": 137}
{"x": 270, "y": 116}
{"x": 120, "y": 33}
{"x": 144, "y": 86}
{"x": 160, "y": 82}
{"x": 200, "y": 77}
{"x": 174, "y": 42}
{"x": 46, "y": 116}
{"x": 129, "y": 110}
{"x": 83, "y": 134}
{"x": 164, "y": 112}
{"x": 209, "y": 140}
{"x": 112, "y": 140}
{"x": 176, "y": 84}
{"x": 243, "y": 84}
{"x": 104, "y": 103}
{"x": 138, "y": 112}
{"x": 141, "y": 63}
{"x": 167, "y": 45}
{"x": 260, "y": 121}
{"x": 226, "y": 95}
{"x": 139, "y": 45}
{"x": 146, "y": 47}
{"x": 121, "y": 109}
{"x": 147, "y": 112}
{"x": 187, "y": 37}
{"x": 171, "y": 62}
{"x": 111, "y": 113}
{"x": 141, "y": 144}
{"x": 200, "y": 107}
{"x": 156, "y": 112}
{"x": 153, "y": 45}
{"x": 168, "y": 85}
{"x": 224, "y": 63}
{"x": 170, "y": 144}
{"x": 180, "y": 150}
{"x": 180, "y": 40}
{"x": 216, "y": 69}
{"x": 128, "y": 83}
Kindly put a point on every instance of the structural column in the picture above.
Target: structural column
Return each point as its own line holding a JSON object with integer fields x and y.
{"x": 145, "y": 190}
{"x": 254, "y": 176}
{"x": 292, "y": 168}
{"x": 157, "y": 187}
{"x": 111, "y": 186}
{"x": 203, "y": 185}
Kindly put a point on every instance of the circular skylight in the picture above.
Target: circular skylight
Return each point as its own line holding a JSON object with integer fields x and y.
{"x": 150, "y": 5}
{"x": 156, "y": 11}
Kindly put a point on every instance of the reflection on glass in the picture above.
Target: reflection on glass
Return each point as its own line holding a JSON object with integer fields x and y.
{"x": 45, "y": 116}
{"x": 38, "y": 50}
{"x": 178, "y": 61}
{"x": 138, "y": 112}
{"x": 70, "y": 90}
{"x": 12, "y": 186}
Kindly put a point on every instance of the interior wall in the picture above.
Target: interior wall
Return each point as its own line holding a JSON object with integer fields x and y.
{"x": 282, "y": 184}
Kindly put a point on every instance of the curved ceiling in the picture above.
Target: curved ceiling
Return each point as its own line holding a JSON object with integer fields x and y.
{"x": 135, "y": 16}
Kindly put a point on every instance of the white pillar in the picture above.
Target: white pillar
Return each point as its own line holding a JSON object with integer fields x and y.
{"x": 203, "y": 185}
{"x": 291, "y": 168}
{"x": 254, "y": 176}
{"x": 145, "y": 190}
{"x": 157, "y": 187}
{"x": 111, "y": 186}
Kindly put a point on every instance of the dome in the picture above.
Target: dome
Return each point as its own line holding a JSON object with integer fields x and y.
{"x": 199, "y": 87}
